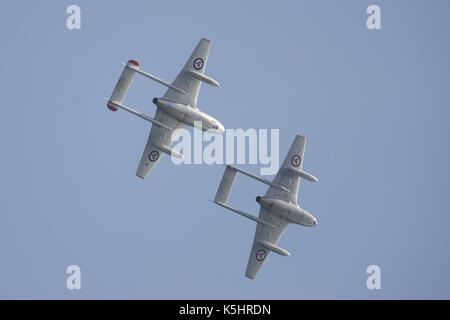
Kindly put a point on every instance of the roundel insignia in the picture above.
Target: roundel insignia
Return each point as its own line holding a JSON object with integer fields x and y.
{"x": 261, "y": 255}
{"x": 198, "y": 63}
{"x": 296, "y": 160}
{"x": 153, "y": 156}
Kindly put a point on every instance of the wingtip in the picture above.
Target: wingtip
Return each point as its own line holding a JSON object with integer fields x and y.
{"x": 251, "y": 277}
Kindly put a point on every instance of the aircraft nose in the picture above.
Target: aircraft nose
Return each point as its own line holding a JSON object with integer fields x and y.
{"x": 315, "y": 222}
{"x": 221, "y": 128}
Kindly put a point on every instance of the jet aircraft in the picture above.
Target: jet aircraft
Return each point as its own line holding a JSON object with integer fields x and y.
{"x": 278, "y": 207}
{"x": 175, "y": 109}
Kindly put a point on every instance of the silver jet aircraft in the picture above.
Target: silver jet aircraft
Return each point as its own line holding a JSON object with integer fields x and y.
{"x": 278, "y": 207}
{"x": 177, "y": 108}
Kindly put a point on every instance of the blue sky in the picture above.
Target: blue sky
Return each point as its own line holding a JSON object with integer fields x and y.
{"x": 373, "y": 105}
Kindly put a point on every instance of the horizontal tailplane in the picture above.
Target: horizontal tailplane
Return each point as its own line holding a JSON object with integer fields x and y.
{"x": 225, "y": 185}
{"x": 123, "y": 84}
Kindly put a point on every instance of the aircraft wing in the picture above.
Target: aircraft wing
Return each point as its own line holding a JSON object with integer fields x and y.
{"x": 158, "y": 136}
{"x": 191, "y": 76}
{"x": 286, "y": 176}
{"x": 265, "y": 236}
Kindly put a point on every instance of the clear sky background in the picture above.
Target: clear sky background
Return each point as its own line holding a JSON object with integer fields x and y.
{"x": 374, "y": 106}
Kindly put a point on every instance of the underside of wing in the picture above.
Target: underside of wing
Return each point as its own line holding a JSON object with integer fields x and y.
{"x": 285, "y": 176}
{"x": 191, "y": 76}
{"x": 265, "y": 240}
{"x": 158, "y": 137}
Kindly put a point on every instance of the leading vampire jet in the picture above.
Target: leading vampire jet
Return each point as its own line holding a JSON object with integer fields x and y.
{"x": 278, "y": 207}
{"x": 178, "y": 106}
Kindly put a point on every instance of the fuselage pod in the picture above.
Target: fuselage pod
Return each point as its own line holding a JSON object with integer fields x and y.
{"x": 287, "y": 211}
{"x": 189, "y": 115}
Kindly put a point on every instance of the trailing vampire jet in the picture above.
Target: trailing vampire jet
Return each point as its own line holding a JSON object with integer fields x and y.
{"x": 278, "y": 207}
{"x": 177, "y": 108}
